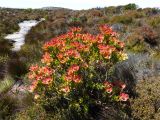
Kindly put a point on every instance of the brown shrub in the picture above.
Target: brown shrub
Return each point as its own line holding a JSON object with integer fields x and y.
{"x": 95, "y": 13}
{"x": 149, "y": 35}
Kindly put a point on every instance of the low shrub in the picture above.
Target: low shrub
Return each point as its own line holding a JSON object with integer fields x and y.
{"x": 7, "y": 107}
{"x": 34, "y": 112}
{"x": 154, "y": 21}
{"x": 135, "y": 42}
{"x": 6, "y": 84}
{"x": 146, "y": 105}
{"x": 149, "y": 35}
{"x": 74, "y": 72}
{"x": 124, "y": 19}
{"x": 130, "y": 6}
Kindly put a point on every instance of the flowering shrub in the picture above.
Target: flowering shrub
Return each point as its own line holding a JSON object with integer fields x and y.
{"x": 75, "y": 67}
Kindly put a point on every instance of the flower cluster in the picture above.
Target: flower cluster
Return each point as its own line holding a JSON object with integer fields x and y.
{"x": 119, "y": 86}
{"x": 46, "y": 59}
{"x": 106, "y": 30}
{"x": 71, "y": 74}
{"x": 71, "y": 60}
{"x": 106, "y": 50}
{"x": 40, "y": 75}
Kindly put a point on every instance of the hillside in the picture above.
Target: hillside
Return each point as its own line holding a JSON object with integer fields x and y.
{"x": 138, "y": 28}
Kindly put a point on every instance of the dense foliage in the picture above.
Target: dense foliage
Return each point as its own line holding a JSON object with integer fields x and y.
{"x": 74, "y": 69}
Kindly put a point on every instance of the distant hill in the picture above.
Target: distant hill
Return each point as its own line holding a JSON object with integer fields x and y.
{"x": 53, "y": 8}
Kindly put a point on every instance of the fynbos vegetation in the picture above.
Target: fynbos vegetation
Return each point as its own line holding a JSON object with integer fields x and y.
{"x": 96, "y": 64}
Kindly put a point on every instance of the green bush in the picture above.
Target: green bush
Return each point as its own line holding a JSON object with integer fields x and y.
{"x": 154, "y": 21}
{"x": 34, "y": 112}
{"x": 6, "y": 84}
{"x": 7, "y": 107}
{"x": 125, "y": 19}
{"x": 67, "y": 79}
{"x": 130, "y": 6}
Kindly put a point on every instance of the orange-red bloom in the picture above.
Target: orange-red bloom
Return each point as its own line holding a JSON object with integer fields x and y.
{"x": 119, "y": 84}
{"x": 106, "y": 50}
{"x": 106, "y": 30}
{"x": 123, "y": 97}
{"x": 75, "y": 29}
{"x": 108, "y": 87}
{"x": 77, "y": 78}
{"x": 47, "y": 58}
{"x": 47, "y": 80}
{"x": 72, "y": 69}
{"x": 34, "y": 68}
{"x": 100, "y": 38}
{"x": 109, "y": 90}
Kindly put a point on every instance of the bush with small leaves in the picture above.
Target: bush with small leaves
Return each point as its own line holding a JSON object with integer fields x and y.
{"x": 74, "y": 69}
{"x": 146, "y": 105}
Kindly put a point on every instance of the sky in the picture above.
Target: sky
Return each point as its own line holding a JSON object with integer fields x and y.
{"x": 75, "y": 4}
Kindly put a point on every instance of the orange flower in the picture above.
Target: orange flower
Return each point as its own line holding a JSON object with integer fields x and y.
{"x": 106, "y": 50}
{"x": 47, "y": 58}
{"x": 100, "y": 38}
{"x": 106, "y": 30}
{"x": 34, "y": 68}
{"x": 45, "y": 71}
{"x": 55, "y": 42}
{"x": 72, "y": 69}
{"x": 89, "y": 39}
{"x": 77, "y": 79}
{"x": 72, "y": 53}
{"x": 62, "y": 58}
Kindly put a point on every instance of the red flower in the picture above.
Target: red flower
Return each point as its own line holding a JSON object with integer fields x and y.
{"x": 120, "y": 84}
{"x": 109, "y": 90}
{"x": 123, "y": 97}
{"x": 47, "y": 80}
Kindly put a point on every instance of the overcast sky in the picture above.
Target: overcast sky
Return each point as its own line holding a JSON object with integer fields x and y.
{"x": 75, "y": 4}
